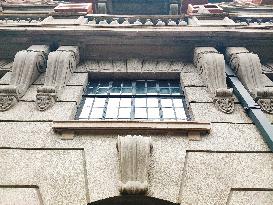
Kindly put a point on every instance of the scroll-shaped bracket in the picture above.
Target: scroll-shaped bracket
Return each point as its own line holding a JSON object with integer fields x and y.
{"x": 27, "y": 66}
{"x": 248, "y": 68}
{"x": 211, "y": 66}
{"x": 60, "y": 66}
{"x": 134, "y": 156}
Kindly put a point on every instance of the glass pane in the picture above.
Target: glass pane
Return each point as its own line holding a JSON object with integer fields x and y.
{"x": 140, "y": 83}
{"x": 96, "y": 113}
{"x": 168, "y": 113}
{"x": 126, "y": 91}
{"x": 99, "y": 102}
{"x": 91, "y": 91}
{"x": 163, "y": 83}
{"x": 166, "y": 102}
{"x": 112, "y": 112}
{"x": 153, "y": 113}
{"x": 140, "y": 113}
{"x": 178, "y": 103}
{"x": 124, "y": 113}
{"x": 102, "y": 91}
{"x": 104, "y": 84}
{"x": 115, "y": 91}
{"x": 140, "y": 90}
{"x": 127, "y": 83}
{"x": 174, "y": 83}
{"x": 175, "y": 91}
{"x": 151, "y": 83}
{"x": 125, "y": 102}
{"x": 113, "y": 102}
{"x": 152, "y": 102}
{"x": 85, "y": 112}
{"x": 180, "y": 113}
{"x": 151, "y": 91}
{"x": 93, "y": 84}
{"x": 164, "y": 91}
{"x": 116, "y": 84}
{"x": 88, "y": 102}
{"x": 140, "y": 102}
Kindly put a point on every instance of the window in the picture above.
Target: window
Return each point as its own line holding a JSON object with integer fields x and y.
{"x": 133, "y": 100}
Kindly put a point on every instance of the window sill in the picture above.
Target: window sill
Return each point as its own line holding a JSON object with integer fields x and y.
{"x": 192, "y": 129}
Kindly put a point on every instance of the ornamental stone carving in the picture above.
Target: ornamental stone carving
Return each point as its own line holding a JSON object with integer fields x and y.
{"x": 60, "y": 66}
{"x": 27, "y": 66}
{"x": 248, "y": 68}
{"x": 211, "y": 66}
{"x": 134, "y": 155}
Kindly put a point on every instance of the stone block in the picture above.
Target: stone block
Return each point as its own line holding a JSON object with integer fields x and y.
{"x": 20, "y": 195}
{"x": 27, "y": 111}
{"x": 119, "y": 66}
{"x": 176, "y": 66}
{"x": 102, "y": 166}
{"x": 76, "y": 79}
{"x": 251, "y": 197}
{"x": 88, "y": 66}
{"x": 69, "y": 94}
{"x": 134, "y": 65}
{"x": 167, "y": 162}
{"x": 200, "y": 94}
{"x": 106, "y": 66}
{"x": 59, "y": 174}
{"x": 208, "y": 177}
{"x": 148, "y": 66}
{"x": 191, "y": 79}
{"x": 231, "y": 137}
{"x": 207, "y": 111}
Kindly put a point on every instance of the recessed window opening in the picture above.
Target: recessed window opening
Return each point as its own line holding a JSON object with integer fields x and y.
{"x": 133, "y": 100}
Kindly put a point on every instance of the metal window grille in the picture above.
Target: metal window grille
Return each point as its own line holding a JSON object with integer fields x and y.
{"x": 133, "y": 100}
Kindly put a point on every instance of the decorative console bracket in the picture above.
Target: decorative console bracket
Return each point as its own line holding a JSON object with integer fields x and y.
{"x": 248, "y": 68}
{"x": 134, "y": 156}
{"x": 60, "y": 67}
{"x": 211, "y": 66}
{"x": 27, "y": 66}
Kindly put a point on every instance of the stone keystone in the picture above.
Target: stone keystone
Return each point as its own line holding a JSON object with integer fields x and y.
{"x": 134, "y": 155}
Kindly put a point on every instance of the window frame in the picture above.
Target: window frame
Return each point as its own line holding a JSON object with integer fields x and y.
{"x": 133, "y": 96}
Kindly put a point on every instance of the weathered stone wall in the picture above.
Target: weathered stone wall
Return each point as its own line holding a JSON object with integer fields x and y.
{"x": 231, "y": 165}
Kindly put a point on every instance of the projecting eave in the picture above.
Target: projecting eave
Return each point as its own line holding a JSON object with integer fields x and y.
{"x": 116, "y": 43}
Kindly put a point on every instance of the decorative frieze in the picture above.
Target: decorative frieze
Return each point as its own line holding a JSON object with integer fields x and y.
{"x": 248, "y": 68}
{"x": 134, "y": 155}
{"x": 61, "y": 64}
{"x": 211, "y": 66}
{"x": 27, "y": 66}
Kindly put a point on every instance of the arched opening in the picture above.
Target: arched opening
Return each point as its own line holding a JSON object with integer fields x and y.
{"x": 132, "y": 200}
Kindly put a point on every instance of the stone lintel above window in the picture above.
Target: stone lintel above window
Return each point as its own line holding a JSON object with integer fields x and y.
{"x": 192, "y": 129}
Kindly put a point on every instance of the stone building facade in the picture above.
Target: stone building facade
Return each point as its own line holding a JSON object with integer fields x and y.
{"x": 217, "y": 156}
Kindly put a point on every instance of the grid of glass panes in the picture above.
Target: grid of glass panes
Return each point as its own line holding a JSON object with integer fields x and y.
{"x": 137, "y": 99}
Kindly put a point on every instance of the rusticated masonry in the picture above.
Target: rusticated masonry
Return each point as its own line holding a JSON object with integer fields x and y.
{"x": 60, "y": 65}
{"x": 248, "y": 68}
{"x": 27, "y": 66}
{"x": 211, "y": 66}
{"x": 134, "y": 155}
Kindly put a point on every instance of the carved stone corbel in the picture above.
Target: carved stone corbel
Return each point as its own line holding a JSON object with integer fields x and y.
{"x": 211, "y": 67}
{"x": 134, "y": 155}
{"x": 60, "y": 66}
{"x": 27, "y": 66}
{"x": 248, "y": 68}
